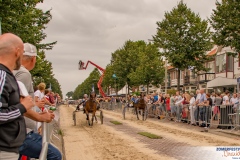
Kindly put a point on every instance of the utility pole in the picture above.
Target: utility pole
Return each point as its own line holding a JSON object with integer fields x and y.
{"x": 166, "y": 79}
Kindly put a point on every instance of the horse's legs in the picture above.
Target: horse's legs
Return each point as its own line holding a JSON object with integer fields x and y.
{"x": 143, "y": 113}
{"x": 87, "y": 114}
{"x": 136, "y": 110}
{"x": 95, "y": 118}
{"x": 93, "y": 115}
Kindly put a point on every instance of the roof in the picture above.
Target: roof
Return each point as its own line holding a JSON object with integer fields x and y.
{"x": 212, "y": 52}
{"x": 170, "y": 67}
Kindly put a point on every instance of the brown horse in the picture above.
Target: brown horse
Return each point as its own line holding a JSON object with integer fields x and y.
{"x": 141, "y": 105}
{"x": 91, "y": 107}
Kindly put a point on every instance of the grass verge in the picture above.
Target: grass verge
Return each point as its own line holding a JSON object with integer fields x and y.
{"x": 116, "y": 122}
{"x": 150, "y": 135}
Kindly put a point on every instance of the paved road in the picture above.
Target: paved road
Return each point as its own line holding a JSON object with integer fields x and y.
{"x": 169, "y": 147}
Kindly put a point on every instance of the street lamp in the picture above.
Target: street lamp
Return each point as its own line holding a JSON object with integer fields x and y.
{"x": 115, "y": 78}
{"x": 165, "y": 60}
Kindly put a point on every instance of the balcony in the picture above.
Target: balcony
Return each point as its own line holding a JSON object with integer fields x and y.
{"x": 189, "y": 80}
{"x": 206, "y": 77}
{"x": 174, "y": 82}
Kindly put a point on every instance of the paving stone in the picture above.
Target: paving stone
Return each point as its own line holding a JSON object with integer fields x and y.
{"x": 164, "y": 146}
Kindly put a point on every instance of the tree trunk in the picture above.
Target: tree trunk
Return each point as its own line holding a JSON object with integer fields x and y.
{"x": 178, "y": 80}
{"x": 147, "y": 88}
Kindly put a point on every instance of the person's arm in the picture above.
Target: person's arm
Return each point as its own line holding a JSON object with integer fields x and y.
{"x": 10, "y": 113}
{"x": 207, "y": 102}
{"x": 47, "y": 102}
{"x": 39, "y": 117}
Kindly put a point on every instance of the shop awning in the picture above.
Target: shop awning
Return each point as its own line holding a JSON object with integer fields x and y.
{"x": 221, "y": 82}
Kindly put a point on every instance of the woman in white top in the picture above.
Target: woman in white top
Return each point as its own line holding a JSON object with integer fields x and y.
{"x": 39, "y": 94}
{"x": 226, "y": 98}
{"x": 234, "y": 101}
{"x": 192, "y": 109}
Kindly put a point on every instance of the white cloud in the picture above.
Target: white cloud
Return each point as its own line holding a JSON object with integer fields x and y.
{"x": 93, "y": 29}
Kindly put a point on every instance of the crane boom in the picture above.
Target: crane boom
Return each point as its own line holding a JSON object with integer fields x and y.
{"x": 81, "y": 67}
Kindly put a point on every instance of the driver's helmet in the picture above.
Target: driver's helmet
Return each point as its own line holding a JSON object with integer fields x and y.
{"x": 93, "y": 94}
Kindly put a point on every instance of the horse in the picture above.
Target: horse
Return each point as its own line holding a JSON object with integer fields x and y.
{"x": 91, "y": 107}
{"x": 141, "y": 105}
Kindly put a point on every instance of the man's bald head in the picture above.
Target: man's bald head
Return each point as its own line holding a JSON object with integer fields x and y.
{"x": 11, "y": 51}
{"x": 202, "y": 91}
{"x": 10, "y": 43}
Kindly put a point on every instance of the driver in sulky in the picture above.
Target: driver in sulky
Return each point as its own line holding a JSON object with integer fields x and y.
{"x": 85, "y": 98}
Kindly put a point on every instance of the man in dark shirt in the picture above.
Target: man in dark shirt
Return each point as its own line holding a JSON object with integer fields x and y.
{"x": 12, "y": 124}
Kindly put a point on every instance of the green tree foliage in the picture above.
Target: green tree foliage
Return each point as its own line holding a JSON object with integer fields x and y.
{"x": 136, "y": 63}
{"x": 69, "y": 94}
{"x": 184, "y": 38}
{"x": 150, "y": 69}
{"x": 22, "y": 18}
{"x": 86, "y": 86}
{"x": 226, "y": 23}
{"x": 125, "y": 60}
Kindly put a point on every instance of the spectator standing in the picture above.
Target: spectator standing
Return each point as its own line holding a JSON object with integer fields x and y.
{"x": 192, "y": 107}
{"x": 226, "y": 98}
{"x": 178, "y": 103}
{"x": 33, "y": 143}
{"x": 197, "y": 98}
{"x": 12, "y": 123}
{"x": 202, "y": 108}
{"x": 234, "y": 101}
{"x": 208, "y": 106}
{"x": 216, "y": 110}
{"x": 173, "y": 106}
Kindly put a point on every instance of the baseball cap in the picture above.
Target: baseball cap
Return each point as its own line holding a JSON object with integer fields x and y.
{"x": 30, "y": 50}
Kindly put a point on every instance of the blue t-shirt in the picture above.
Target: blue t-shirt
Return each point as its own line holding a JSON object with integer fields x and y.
{"x": 155, "y": 98}
{"x": 135, "y": 100}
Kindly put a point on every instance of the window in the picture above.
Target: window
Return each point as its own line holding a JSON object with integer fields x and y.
{"x": 210, "y": 66}
{"x": 230, "y": 63}
{"x": 220, "y": 63}
{"x": 193, "y": 75}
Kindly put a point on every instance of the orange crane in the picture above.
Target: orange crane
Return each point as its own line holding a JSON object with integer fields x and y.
{"x": 81, "y": 67}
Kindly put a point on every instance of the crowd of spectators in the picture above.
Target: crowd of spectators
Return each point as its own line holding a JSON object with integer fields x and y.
{"x": 197, "y": 108}
{"x": 22, "y": 108}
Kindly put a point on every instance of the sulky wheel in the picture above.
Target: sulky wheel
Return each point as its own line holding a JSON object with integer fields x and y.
{"x": 74, "y": 118}
{"x": 101, "y": 117}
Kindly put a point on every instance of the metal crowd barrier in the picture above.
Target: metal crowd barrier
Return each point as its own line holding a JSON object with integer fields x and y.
{"x": 47, "y": 129}
{"x": 45, "y": 140}
{"x": 115, "y": 106}
{"x": 222, "y": 116}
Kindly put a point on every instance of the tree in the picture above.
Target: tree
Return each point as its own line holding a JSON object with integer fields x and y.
{"x": 124, "y": 61}
{"x": 69, "y": 94}
{"x": 184, "y": 39}
{"x": 25, "y": 20}
{"x": 22, "y": 18}
{"x": 226, "y": 23}
{"x": 150, "y": 69}
{"x": 86, "y": 86}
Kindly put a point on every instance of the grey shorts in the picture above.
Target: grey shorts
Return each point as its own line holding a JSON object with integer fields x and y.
{"x": 173, "y": 109}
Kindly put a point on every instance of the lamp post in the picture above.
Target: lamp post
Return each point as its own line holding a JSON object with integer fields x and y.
{"x": 115, "y": 78}
{"x": 165, "y": 60}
